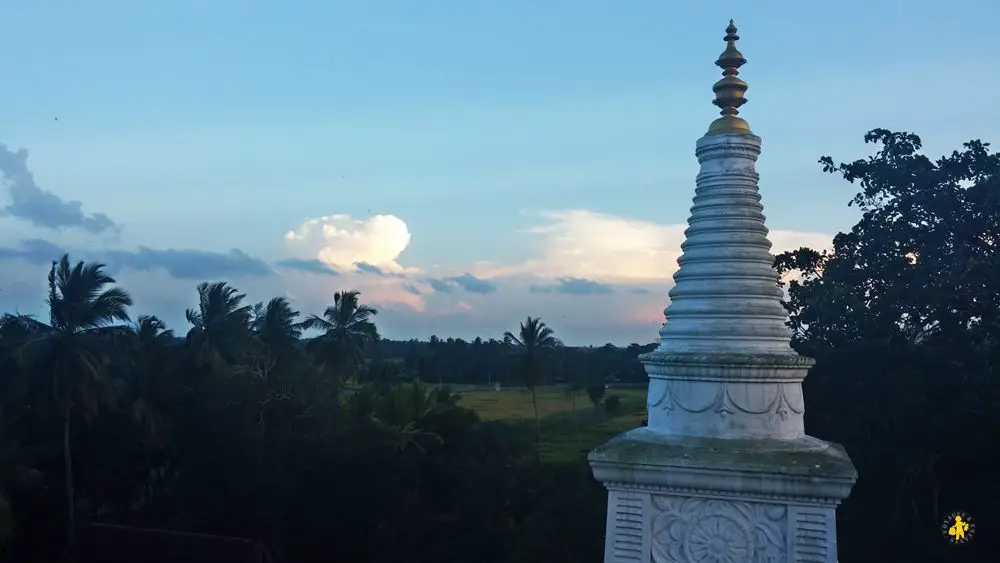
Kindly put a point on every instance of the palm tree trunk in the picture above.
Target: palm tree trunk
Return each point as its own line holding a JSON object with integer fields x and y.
{"x": 576, "y": 422}
{"x": 534, "y": 407}
{"x": 68, "y": 466}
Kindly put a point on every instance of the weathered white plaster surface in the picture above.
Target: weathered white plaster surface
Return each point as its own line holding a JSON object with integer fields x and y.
{"x": 724, "y": 472}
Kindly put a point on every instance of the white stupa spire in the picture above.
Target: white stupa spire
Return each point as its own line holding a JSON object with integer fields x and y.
{"x": 724, "y": 366}
{"x": 726, "y": 296}
{"x": 724, "y": 471}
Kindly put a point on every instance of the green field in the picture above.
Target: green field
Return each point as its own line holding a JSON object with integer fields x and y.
{"x": 565, "y": 437}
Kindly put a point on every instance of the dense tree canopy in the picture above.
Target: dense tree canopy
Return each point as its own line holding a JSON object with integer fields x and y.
{"x": 902, "y": 317}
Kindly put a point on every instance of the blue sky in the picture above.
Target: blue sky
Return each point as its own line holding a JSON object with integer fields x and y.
{"x": 506, "y": 141}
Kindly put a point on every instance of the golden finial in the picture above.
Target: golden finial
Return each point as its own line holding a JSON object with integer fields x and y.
{"x": 730, "y": 89}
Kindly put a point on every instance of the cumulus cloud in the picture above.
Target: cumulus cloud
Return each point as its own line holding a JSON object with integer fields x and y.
{"x": 309, "y": 266}
{"x": 342, "y": 242}
{"x": 43, "y": 208}
{"x": 366, "y": 254}
{"x": 573, "y": 286}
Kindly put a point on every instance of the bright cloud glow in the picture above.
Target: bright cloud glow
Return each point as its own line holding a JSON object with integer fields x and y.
{"x": 364, "y": 251}
{"x": 595, "y": 246}
{"x": 341, "y": 241}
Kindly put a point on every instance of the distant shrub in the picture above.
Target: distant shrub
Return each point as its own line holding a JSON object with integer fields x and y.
{"x": 612, "y": 403}
{"x": 596, "y": 393}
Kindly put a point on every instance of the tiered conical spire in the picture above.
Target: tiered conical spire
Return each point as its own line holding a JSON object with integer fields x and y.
{"x": 724, "y": 365}
{"x": 726, "y": 296}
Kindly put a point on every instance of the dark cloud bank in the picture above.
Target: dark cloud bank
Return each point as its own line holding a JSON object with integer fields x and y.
{"x": 182, "y": 264}
{"x": 190, "y": 264}
{"x": 573, "y": 286}
{"x": 33, "y": 251}
{"x": 366, "y": 268}
{"x": 307, "y": 266}
{"x": 466, "y": 282}
{"x": 42, "y": 208}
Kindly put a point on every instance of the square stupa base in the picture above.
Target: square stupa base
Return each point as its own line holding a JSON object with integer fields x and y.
{"x": 678, "y": 499}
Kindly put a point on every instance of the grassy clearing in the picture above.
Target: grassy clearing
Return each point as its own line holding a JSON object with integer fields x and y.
{"x": 565, "y": 437}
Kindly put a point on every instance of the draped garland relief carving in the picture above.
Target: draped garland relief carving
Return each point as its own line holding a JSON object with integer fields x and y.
{"x": 727, "y": 398}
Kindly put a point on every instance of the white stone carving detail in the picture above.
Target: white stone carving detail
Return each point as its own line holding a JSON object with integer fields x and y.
{"x": 709, "y": 408}
{"x": 730, "y": 397}
{"x": 698, "y": 530}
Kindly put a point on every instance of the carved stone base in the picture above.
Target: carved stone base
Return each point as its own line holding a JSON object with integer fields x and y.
{"x": 702, "y": 500}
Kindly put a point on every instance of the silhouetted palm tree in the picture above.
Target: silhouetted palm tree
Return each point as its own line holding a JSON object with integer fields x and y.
{"x": 384, "y": 374}
{"x": 73, "y": 348}
{"x": 535, "y": 346}
{"x": 151, "y": 347}
{"x": 220, "y": 332}
{"x": 401, "y": 411}
{"x": 574, "y": 388}
{"x": 275, "y": 327}
{"x": 347, "y": 329}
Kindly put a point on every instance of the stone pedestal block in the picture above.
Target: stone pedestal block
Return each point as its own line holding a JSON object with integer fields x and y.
{"x": 675, "y": 499}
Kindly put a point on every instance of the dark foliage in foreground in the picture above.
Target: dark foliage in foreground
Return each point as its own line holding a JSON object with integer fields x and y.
{"x": 903, "y": 318}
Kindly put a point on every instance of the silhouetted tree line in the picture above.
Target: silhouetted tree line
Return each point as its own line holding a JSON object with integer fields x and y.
{"x": 245, "y": 428}
{"x": 335, "y": 448}
{"x": 486, "y": 362}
